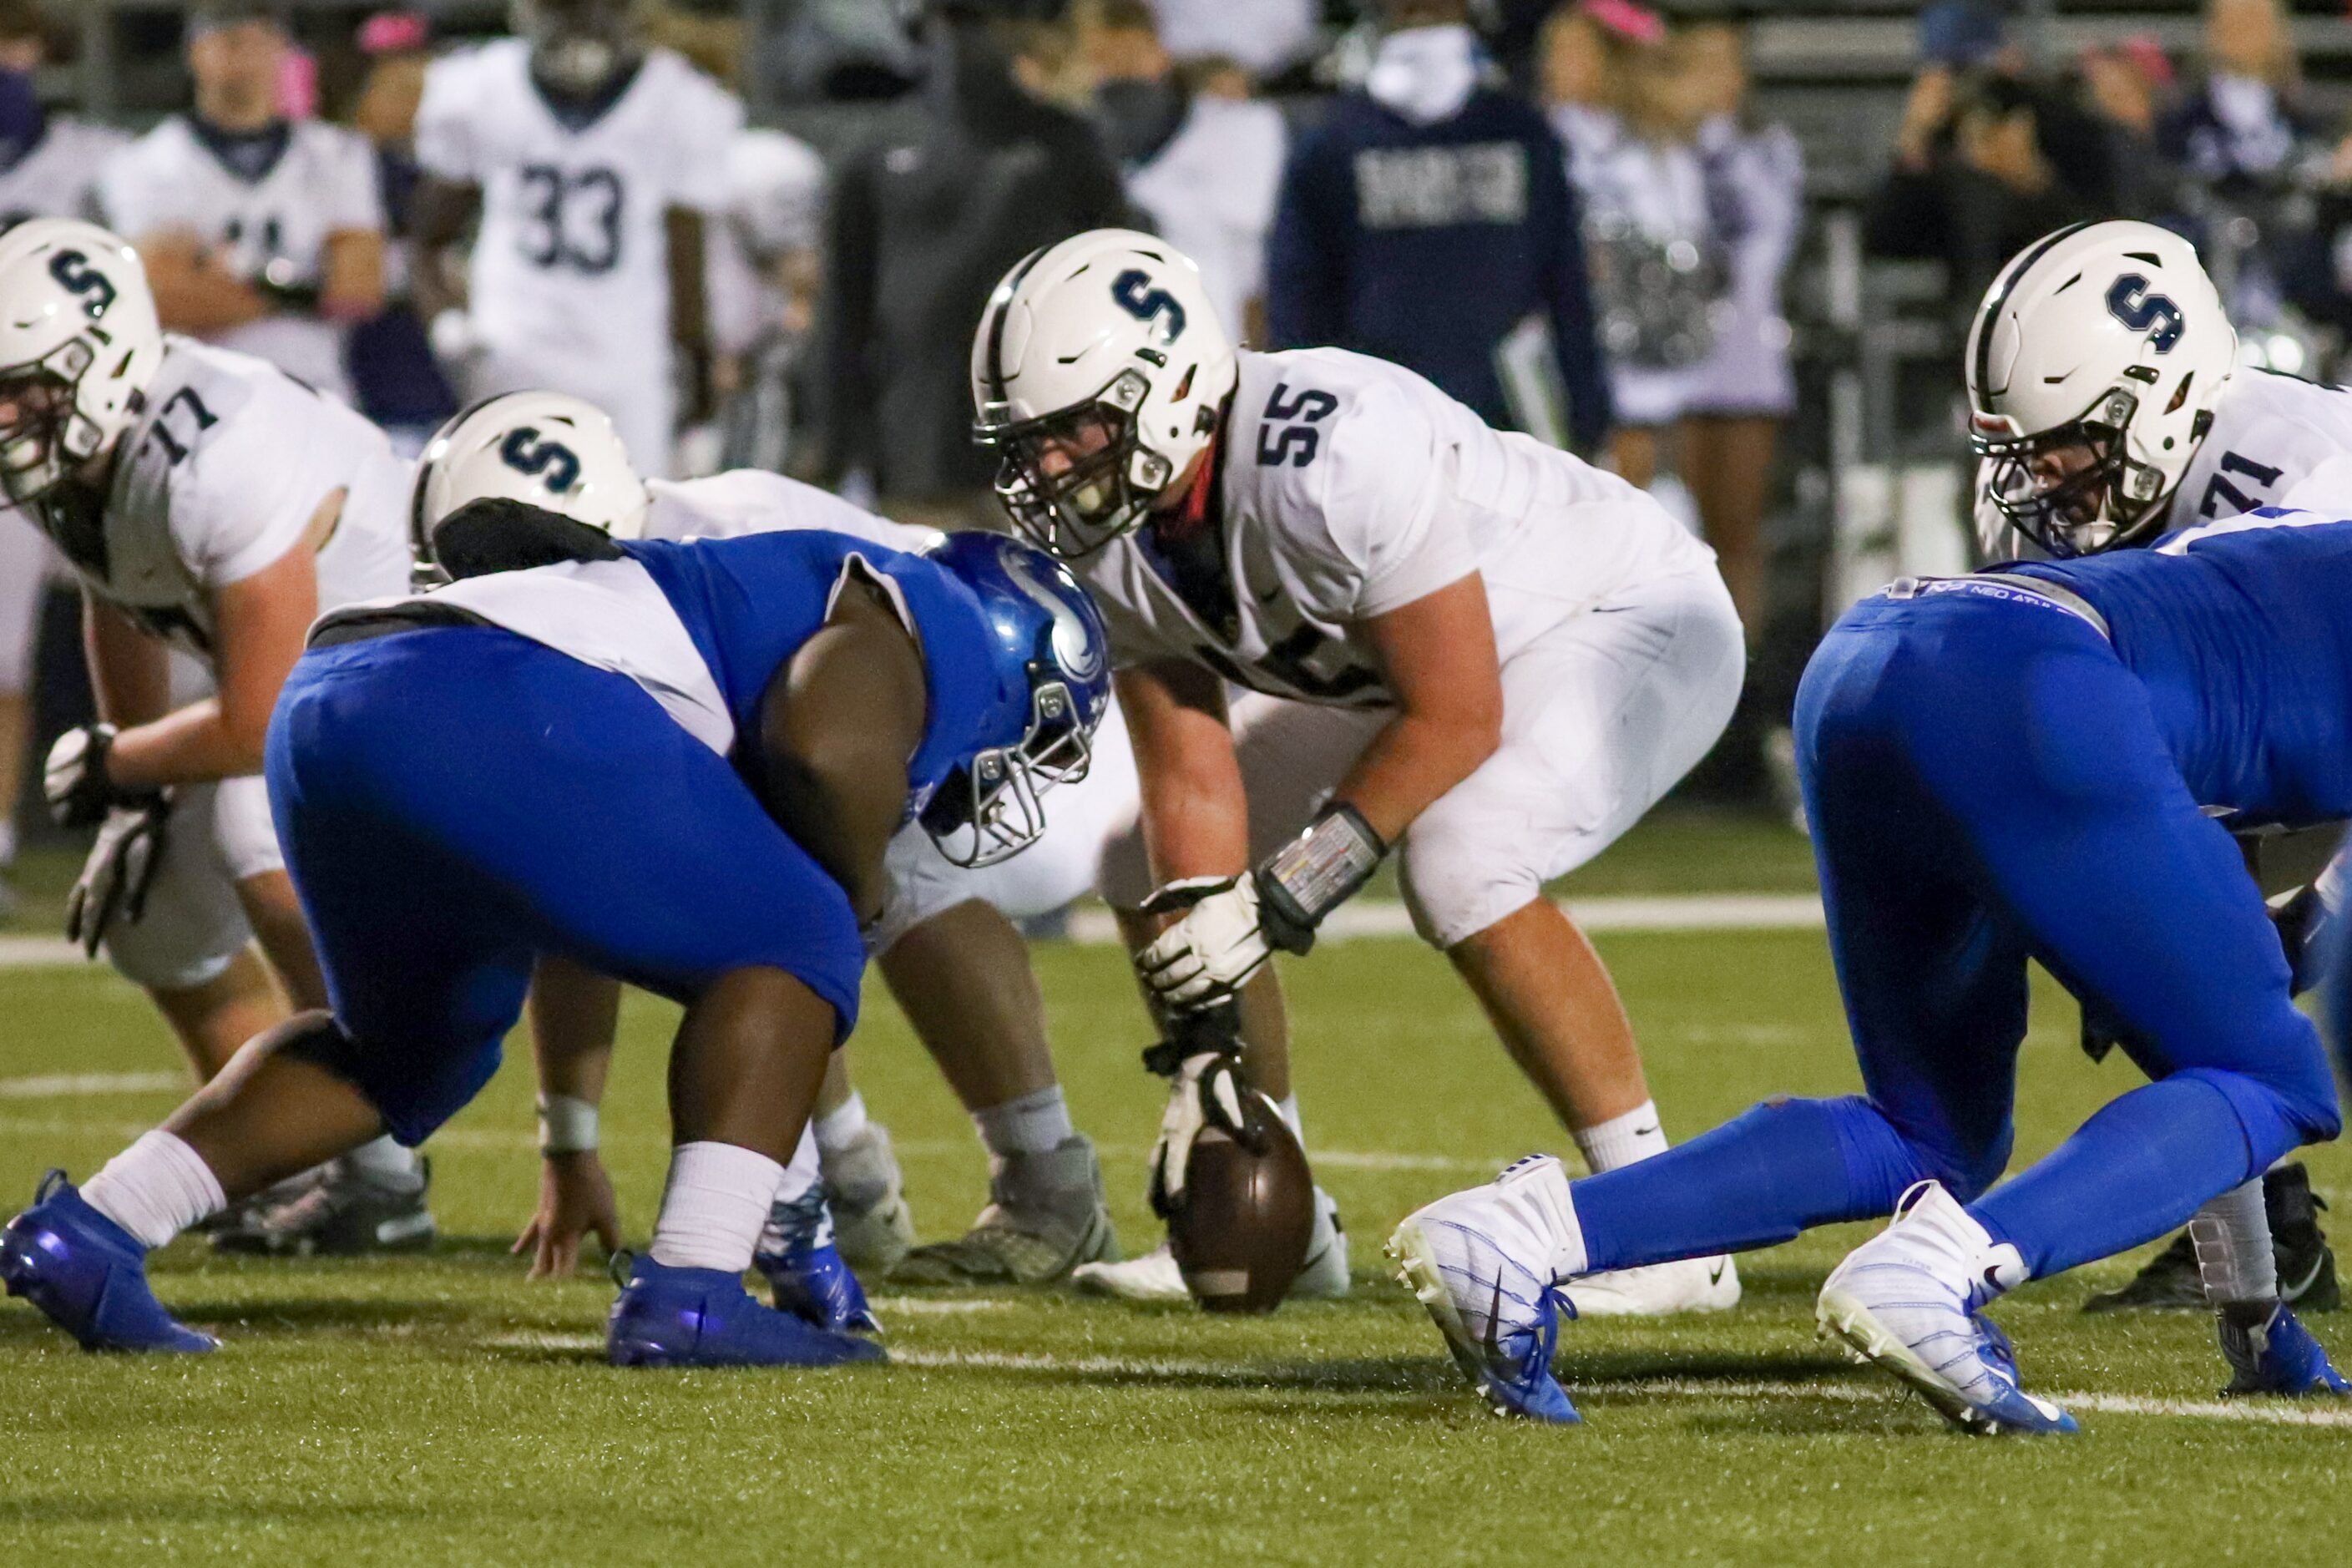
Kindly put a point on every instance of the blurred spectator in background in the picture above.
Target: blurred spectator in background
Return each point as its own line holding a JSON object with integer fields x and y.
{"x": 2124, "y": 85}
{"x": 1976, "y": 174}
{"x": 1262, "y": 36}
{"x": 260, "y": 232}
{"x": 1202, "y": 163}
{"x": 958, "y": 182}
{"x": 2249, "y": 152}
{"x": 592, "y": 160}
{"x": 1742, "y": 391}
{"x": 50, "y": 167}
{"x": 1626, "y": 111}
{"x": 765, "y": 265}
{"x": 394, "y": 378}
{"x": 1428, "y": 220}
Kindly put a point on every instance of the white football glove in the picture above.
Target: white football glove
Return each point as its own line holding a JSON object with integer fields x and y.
{"x": 121, "y": 867}
{"x": 1204, "y": 958}
{"x": 74, "y": 779}
{"x": 1207, "y": 1091}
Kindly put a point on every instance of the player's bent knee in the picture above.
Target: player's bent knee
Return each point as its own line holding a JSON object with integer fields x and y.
{"x": 1886, "y": 1157}
{"x": 1455, "y": 887}
{"x": 2279, "y": 1109}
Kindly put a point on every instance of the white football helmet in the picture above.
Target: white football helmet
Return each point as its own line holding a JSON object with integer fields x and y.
{"x": 79, "y": 343}
{"x": 1099, "y": 372}
{"x": 2093, "y": 368}
{"x": 547, "y": 448}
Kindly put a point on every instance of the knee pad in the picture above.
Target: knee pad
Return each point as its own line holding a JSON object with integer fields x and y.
{"x": 2277, "y": 1116}
{"x": 194, "y": 926}
{"x": 1457, "y": 882}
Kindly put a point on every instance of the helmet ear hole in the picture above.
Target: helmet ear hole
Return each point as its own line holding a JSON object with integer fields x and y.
{"x": 2180, "y": 394}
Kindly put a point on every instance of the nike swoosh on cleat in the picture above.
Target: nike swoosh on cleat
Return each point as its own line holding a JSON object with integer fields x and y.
{"x": 1494, "y": 1319}
{"x": 1715, "y": 1275}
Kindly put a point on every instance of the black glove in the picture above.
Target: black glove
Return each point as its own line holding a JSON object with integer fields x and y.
{"x": 121, "y": 867}
{"x": 73, "y": 780}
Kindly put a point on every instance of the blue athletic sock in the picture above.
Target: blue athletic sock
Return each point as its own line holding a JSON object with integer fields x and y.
{"x": 1759, "y": 1179}
{"x": 2138, "y": 1169}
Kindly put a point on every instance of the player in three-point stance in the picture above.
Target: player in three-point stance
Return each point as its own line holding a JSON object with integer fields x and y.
{"x": 1457, "y": 642}
{"x": 680, "y": 765}
{"x": 211, "y": 506}
{"x": 2090, "y": 441}
{"x": 944, "y": 943}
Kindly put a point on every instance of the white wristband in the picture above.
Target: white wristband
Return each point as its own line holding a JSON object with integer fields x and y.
{"x": 567, "y": 1125}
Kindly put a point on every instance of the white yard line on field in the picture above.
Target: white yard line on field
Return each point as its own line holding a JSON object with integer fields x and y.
{"x": 73, "y": 1085}
{"x": 2257, "y": 1413}
{"x": 1093, "y": 927}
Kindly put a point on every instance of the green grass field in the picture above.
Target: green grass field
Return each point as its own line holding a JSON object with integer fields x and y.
{"x": 444, "y": 1411}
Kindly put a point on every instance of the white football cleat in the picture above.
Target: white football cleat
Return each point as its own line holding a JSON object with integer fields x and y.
{"x": 1154, "y": 1277}
{"x": 1907, "y": 1299}
{"x": 1482, "y": 1263}
{"x": 1693, "y": 1285}
{"x": 871, "y": 1226}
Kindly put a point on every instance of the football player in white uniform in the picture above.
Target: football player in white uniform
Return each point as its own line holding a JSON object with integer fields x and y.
{"x": 48, "y": 168}
{"x": 1465, "y": 644}
{"x": 591, "y": 161}
{"x": 2107, "y": 410}
{"x": 261, "y": 234}
{"x": 944, "y": 942}
{"x": 212, "y": 506}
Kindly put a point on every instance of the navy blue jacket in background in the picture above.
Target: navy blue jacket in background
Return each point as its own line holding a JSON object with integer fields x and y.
{"x": 1426, "y": 245}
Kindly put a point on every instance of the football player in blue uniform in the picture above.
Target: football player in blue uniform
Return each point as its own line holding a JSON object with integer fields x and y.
{"x": 2008, "y": 766}
{"x": 677, "y": 763}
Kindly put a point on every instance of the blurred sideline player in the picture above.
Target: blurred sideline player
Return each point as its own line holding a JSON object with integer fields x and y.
{"x": 211, "y": 505}
{"x": 589, "y": 161}
{"x": 764, "y": 275}
{"x": 48, "y": 168}
{"x": 952, "y": 958}
{"x": 2008, "y": 767}
{"x": 2091, "y": 439}
{"x": 679, "y": 764}
{"x": 259, "y": 233}
{"x": 1466, "y": 645}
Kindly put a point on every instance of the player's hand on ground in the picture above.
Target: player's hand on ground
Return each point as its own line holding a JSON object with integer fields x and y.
{"x": 115, "y": 879}
{"x": 575, "y": 1197}
{"x": 1203, "y": 958}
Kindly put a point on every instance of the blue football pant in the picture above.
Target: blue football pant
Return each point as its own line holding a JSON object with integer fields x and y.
{"x": 456, "y": 800}
{"x": 1986, "y": 784}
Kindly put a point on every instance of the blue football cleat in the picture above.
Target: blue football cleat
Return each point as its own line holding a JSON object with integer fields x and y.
{"x": 704, "y": 1316}
{"x": 1481, "y": 1269}
{"x": 1907, "y": 1301}
{"x": 2276, "y": 1355}
{"x": 806, "y": 1272}
{"x": 88, "y": 1276}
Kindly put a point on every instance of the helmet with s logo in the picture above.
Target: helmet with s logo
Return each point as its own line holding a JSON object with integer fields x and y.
{"x": 2094, "y": 365}
{"x": 547, "y": 448}
{"x": 1052, "y": 652}
{"x": 79, "y": 343}
{"x": 1099, "y": 372}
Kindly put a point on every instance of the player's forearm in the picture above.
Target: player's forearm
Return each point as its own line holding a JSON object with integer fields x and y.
{"x": 574, "y": 1015}
{"x": 353, "y": 288}
{"x": 192, "y": 297}
{"x": 194, "y": 744}
{"x": 1411, "y": 762}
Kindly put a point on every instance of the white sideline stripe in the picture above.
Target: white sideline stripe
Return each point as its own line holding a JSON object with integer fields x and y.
{"x": 2247, "y": 1413}
{"x": 1376, "y": 918}
{"x": 70, "y": 1085}
{"x": 1682, "y": 912}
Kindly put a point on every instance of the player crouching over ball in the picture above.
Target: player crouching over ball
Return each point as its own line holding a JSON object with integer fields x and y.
{"x": 677, "y": 763}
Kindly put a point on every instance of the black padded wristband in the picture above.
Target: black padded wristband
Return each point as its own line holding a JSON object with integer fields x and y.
{"x": 1314, "y": 874}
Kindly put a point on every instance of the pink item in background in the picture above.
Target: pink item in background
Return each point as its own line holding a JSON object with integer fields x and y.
{"x": 1637, "y": 23}
{"x": 298, "y": 85}
{"x": 2149, "y": 58}
{"x": 394, "y": 33}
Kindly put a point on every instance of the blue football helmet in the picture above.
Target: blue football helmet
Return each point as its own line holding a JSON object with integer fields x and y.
{"x": 1054, "y": 653}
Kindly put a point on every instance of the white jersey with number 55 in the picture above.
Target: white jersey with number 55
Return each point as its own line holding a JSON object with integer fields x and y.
{"x": 223, "y": 474}
{"x": 571, "y": 264}
{"x": 1347, "y": 487}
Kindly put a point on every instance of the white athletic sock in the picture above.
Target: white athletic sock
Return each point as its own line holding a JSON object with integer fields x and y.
{"x": 2232, "y": 1237}
{"x": 801, "y": 1171}
{"x": 387, "y": 1164}
{"x": 1037, "y": 1122}
{"x": 1622, "y": 1140}
{"x": 156, "y": 1188}
{"x": 843, "y": 1126}
{"x": 714, "y": 1206}
{"x": 1288, "y": 1106}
